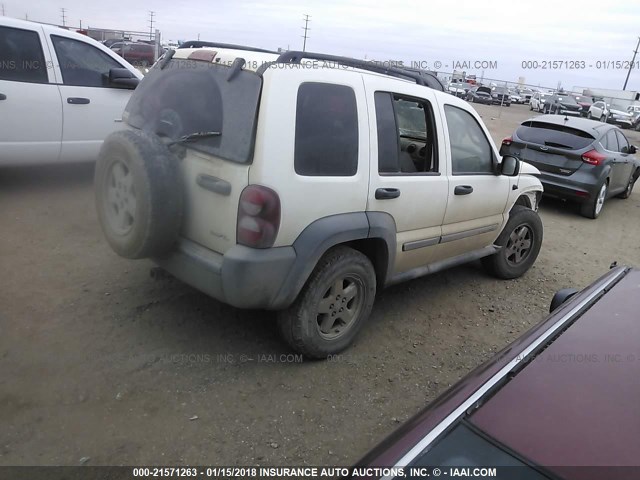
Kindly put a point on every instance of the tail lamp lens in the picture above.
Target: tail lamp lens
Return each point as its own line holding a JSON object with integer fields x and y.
{"x": 258, "y": 217}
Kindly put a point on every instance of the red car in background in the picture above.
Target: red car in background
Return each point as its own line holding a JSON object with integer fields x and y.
{"x": 561, "y": 402}
{"x": 138, "y": 54}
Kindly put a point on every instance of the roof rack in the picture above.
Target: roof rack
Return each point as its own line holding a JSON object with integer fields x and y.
{"x": 199, "y": 44}
{"x": 421, "y": 77}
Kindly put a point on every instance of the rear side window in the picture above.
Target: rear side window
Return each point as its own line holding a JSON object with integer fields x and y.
{"x": 552, "y": 135}
{"x": 82, "y": 64}
{"x": 326, "y": 139}
{"x": 21, "y": 57}
{"x": 623, "y": 144}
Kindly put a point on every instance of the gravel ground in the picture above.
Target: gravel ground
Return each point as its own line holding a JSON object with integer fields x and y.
{"x": 99, "y": 360}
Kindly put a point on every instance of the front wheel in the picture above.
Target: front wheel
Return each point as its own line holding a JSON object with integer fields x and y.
{"x": 603, "y": 119}
{"x": 592, "y": 208}
{"x": 333, "y": 305}
{"x": 629, "y": 189}
{"x": 520, "y": 240}
{"x": 589, "y": 116}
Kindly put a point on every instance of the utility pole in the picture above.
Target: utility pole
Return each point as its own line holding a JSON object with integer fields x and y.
{"x": 2, "y": 9}
{"x": 306, "y": 29}
{"x": 63, "y": 11}
{"x": 631, "y": 64}
{"x": 151, "y": 15}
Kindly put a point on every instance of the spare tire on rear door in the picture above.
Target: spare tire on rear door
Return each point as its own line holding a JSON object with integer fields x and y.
{"x": 138, "y": 194}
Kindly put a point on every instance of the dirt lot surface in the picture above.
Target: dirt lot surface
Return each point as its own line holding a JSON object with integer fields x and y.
{"x": 99, "y": 360}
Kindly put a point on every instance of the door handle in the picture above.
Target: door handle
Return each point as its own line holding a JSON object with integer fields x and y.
{"x": 463, "y": 190}
{"x": 3, "y": 96}
{"x": 386, "y": 193}
{"x": 78, "y": 100}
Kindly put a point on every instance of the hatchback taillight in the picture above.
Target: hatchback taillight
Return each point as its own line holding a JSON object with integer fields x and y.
{"x": 593, "y": 157}
{"x": 507, "y": 141}
{"x": 258, "y": 217}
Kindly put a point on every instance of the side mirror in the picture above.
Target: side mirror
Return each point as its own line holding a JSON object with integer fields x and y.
{"x": 560, "y": 297}
{"x": 122, "y": 78}
{"x": 510, "y": 166}
{"x": 632, "y": 149}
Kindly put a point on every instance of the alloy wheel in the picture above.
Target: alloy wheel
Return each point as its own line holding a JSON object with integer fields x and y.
{"x": 340, "y": 306}
{"x": 120, "y": 198}
{"x": 519, "y": 245}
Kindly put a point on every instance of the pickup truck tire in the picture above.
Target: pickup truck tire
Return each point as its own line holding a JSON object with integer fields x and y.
{"x": 332, "y": 306}
{"x": 138, "y": 199}
{"x": 520, "y": 240}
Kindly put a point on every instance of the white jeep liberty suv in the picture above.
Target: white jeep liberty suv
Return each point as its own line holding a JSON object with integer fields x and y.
{"x": 304, "y": 182}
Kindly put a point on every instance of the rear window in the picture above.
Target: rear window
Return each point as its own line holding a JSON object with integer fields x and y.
{"x": 326, "y": 141}
{"x": 193, "y": 96}
{"x": 552, "y": 135}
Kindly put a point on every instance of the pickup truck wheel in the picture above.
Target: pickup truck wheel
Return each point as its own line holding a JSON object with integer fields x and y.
{"x": 520, "y": 240}
{"x": 333, "y": 305}
{"x": 592, "y": 208}
{"x": 138, "y": 199}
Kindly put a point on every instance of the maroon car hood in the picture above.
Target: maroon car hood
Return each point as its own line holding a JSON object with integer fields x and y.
{"x": 578, "y": 402}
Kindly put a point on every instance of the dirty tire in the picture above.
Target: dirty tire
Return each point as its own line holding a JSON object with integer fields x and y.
{"x": 340, "y": 272}
{"x": 138, "y": 195}
{"x": 520, "y": 240}
{"x": 593, "y": 207}
{"x": 632, "y": 181}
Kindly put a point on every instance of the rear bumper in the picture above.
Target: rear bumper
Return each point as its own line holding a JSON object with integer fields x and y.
{"x": 579, "y": 186}
{"x": 243, "y": 277}
{"x": 620, "y": 122}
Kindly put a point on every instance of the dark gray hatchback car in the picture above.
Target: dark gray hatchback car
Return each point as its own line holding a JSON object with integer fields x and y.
{"x": 578, "y": 159}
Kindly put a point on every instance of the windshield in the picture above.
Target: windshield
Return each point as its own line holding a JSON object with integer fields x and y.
{"x": 568, "y": 99}
{"x": 188, "y": 97}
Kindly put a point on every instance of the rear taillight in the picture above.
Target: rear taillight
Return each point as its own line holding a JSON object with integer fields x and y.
{"x": 593, "y": 157}
{"x": 507, "y": 141}
{"x": 258, "y": 217}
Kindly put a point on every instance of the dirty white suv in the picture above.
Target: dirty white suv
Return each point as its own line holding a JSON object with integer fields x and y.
{"x": 304, "y": 183}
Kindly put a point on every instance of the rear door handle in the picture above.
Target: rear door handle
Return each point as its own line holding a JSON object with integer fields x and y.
{"x": 386, "y": 193}
{"x": 3, "y": 96}
{"x": 463, "y": 190}
{"x": 78, "y": 100}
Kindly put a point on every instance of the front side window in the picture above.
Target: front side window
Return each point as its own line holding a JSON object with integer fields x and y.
{"x": 471, "y": 151}
{"x": 21, "y": 57}
{"x": 612, "y": 141}
{"x": 326, "y": 138}
{"x": 82, "y": 64}
{"x": 623, "y": 144}
{"x": 406, "y": 136}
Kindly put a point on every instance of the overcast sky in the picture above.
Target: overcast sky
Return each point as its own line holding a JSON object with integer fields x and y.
{"x": 504, "y": 31}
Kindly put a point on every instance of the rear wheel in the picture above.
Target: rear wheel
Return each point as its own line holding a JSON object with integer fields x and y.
{"x": 592, "y": 208}
{"x": 530, "y": 107}
{"x": 332, "y": 306}
{"x": 520, "y": 240}
{"x": 589, "y": 116}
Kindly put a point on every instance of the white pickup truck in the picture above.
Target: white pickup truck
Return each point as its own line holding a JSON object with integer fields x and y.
{"x": 61, "y": 93}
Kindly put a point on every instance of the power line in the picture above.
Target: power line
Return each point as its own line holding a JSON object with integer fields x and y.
{"x": 64, "y": 16}
{"x": 306, "y": 29}
{"x": 151, "y": 15}
{"x": 631, "y": 64}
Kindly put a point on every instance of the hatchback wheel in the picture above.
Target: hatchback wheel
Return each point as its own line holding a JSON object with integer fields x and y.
{"x": 589, "y": 116}
{"x": 520, "y": 240}
{"x": 629, "y": 189}
{"x": 592, "y": 208}
{"x": 603, "y": 119}
{"x": 332, "y": 306}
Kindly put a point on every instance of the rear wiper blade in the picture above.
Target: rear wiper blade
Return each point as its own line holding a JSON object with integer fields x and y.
{"x": 194, "y": 136}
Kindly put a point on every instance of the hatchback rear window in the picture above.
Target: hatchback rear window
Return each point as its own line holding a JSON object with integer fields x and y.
{"x": 552, "y": 135}
{"x": 188, "y": 97}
